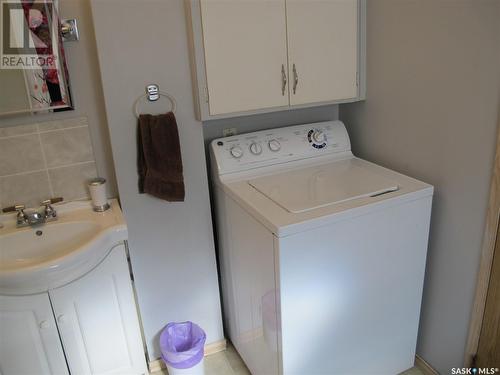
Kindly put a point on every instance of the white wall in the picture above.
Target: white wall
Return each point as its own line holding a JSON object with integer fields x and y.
{"x": 431, "y": 112}
{"x": 171, "y": 244}
{"x": 86, "y": 90}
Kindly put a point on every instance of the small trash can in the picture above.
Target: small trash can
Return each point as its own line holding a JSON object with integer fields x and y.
{"x": 182, "y": 347}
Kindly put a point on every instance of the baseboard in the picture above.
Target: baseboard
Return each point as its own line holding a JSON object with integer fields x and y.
{"x": 214, "y": 347}
{"x": 424, "y": 366}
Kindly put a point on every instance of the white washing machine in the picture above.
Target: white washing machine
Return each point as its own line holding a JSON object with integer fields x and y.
{"x": 322, "y": 254}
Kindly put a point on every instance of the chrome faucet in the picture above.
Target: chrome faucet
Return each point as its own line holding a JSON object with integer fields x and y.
{"x": 33, "y": 217}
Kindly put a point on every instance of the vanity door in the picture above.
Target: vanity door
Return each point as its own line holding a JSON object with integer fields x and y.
{"x": 98, "y": 321}
{"x": 29, "y": 342}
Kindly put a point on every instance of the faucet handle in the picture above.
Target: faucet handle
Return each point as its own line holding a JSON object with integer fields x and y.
{"x": 21, "y": 216}
{"x": 50, "y": 201}
{"x": 50, "y": 212}
{"x": 16, "y": 208}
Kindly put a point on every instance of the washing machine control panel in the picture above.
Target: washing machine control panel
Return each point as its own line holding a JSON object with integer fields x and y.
{"x": 263, "y": 148}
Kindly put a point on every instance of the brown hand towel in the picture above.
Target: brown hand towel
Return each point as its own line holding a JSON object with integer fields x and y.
{"x": 159, "y": 159}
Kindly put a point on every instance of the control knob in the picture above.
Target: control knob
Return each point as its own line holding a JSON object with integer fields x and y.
{"x": 255, "y": 148}
{"x": 236, "y": 152}
{"x": 274, "y": 145}
{"x": 318, "y": 136}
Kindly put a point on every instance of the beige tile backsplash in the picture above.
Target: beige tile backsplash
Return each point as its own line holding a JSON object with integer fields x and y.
{"x": 18, "y": 130}
{"x": 71, "y": 182}
{"x": 20, "y": 154}
{"x": 27, "y": 188}
{"x": 49, "y": 159}
{"x": 67, "y": 146}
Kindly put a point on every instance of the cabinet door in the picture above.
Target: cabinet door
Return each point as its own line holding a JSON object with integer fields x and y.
{"x": 29, "y": 342}
{"x": 245, "y": 50}
{"x": 98, "y": 322}
{"x": 322, "y": 50}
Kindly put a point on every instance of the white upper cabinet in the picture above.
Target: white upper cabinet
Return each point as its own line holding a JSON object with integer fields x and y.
{"x": 29, "y": 341}
{"x": 322, "y": 50}
{"x": 255, "y": 56}
{"x": 245, "y": 53}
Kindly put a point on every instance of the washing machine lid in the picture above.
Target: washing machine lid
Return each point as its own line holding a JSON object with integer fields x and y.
{"x": 306, "y": 189}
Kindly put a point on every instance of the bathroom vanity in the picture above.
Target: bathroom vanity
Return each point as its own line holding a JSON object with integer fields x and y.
{"x": 66, "y": 298}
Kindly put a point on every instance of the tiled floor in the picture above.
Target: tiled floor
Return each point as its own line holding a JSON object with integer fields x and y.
{"x": 229, "y": 362}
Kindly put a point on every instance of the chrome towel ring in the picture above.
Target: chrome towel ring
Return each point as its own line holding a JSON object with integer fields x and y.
{"x": 153, "y": 94}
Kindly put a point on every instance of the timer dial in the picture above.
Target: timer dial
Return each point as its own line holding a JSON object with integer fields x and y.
{"x": 318, "y": 136}
{"x": 236, "y": 152}
{"x": 274, "y": 145}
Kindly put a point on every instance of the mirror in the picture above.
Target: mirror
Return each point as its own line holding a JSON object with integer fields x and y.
{"x": 33, "y": 72}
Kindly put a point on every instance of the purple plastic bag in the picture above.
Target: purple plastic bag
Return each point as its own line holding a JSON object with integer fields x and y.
{"x": 182, "y": 344}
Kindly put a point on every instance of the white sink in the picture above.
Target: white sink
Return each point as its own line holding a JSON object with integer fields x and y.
{"x": 34, "y": 260}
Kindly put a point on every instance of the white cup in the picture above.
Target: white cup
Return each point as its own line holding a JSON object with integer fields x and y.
{"x": 97, "y": 187}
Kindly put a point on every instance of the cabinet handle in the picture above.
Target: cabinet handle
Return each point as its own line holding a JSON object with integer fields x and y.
{"x": 43, "y": 324}
{"x": 61, "y": 319}
{"x": 283, "y": 79}
{"x": 295, "y": 79}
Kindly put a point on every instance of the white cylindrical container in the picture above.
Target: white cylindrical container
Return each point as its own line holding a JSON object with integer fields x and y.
{"x": 198, "y": 369}
{"x": 97, "y": 188}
